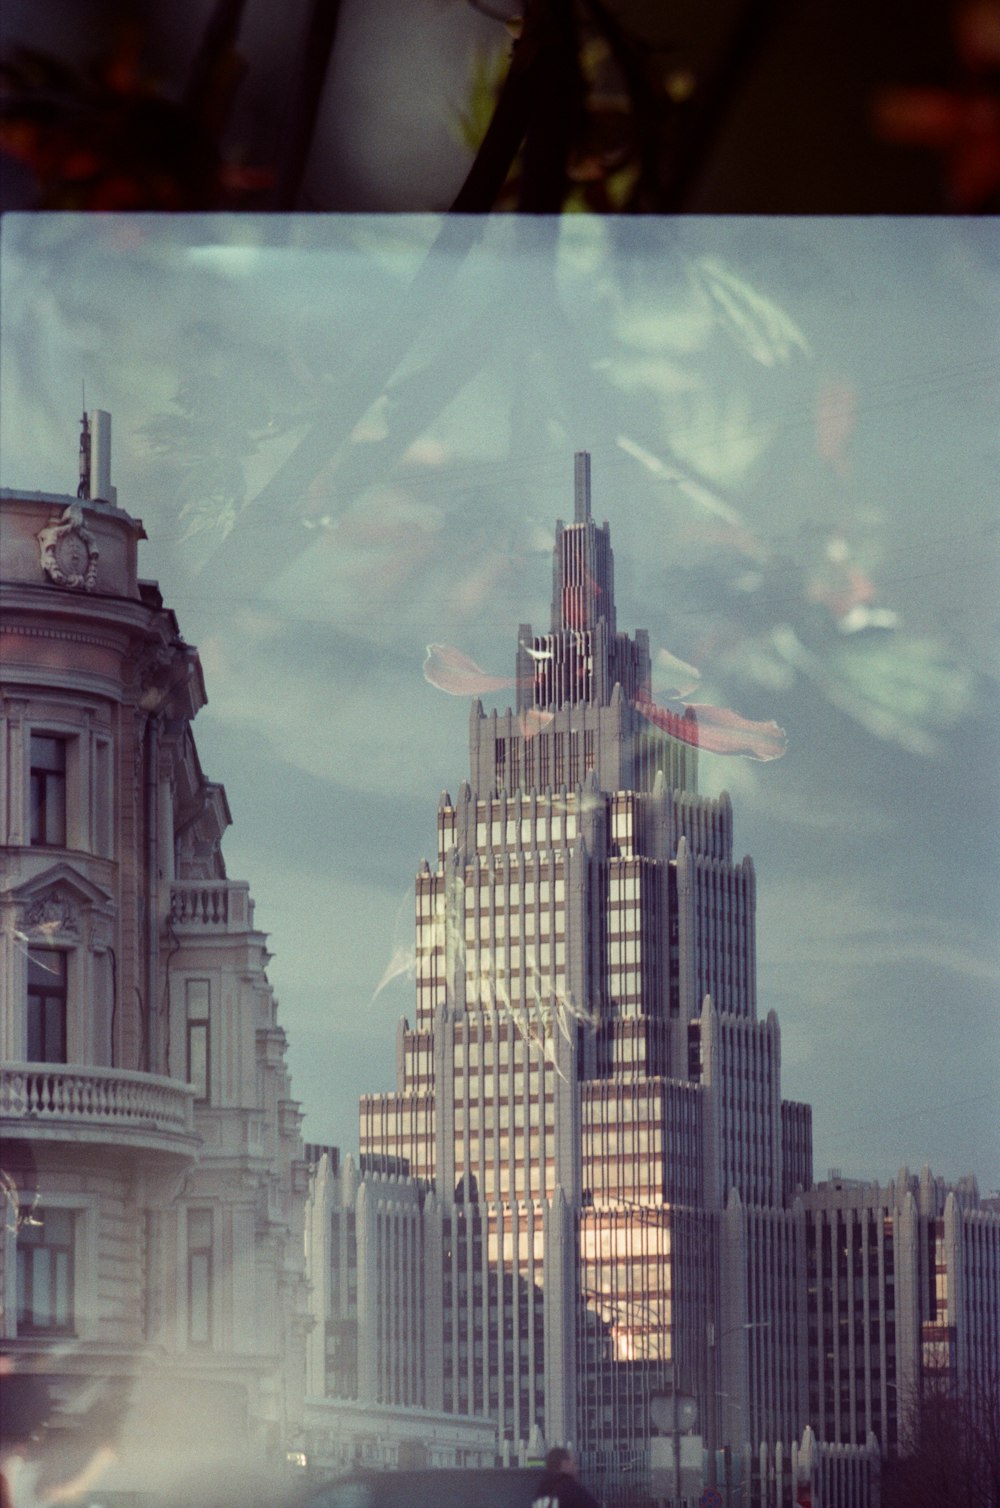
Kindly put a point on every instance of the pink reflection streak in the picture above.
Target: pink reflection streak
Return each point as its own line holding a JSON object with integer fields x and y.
{"x": 450, "y": 670}
{"x": 836, "y": 417}
{"x": 717, "y": 730}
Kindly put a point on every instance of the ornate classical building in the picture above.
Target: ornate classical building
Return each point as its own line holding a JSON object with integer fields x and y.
{"x": 152, "y": 1267}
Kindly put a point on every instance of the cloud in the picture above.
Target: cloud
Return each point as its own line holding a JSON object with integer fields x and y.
{"x": 368, "y": 731}
{"x": 855, "y": 930}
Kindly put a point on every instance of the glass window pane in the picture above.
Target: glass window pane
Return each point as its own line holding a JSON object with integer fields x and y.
{"x": 197, "y": 1065}
{"x": 48, "y": 753}
{"x": 198, "y": 1311}
{"x": 40, "y": 1279}
{"x": 62, "y": 1296}
{"x": 199, "y": 1228}
{"x": 59, "y": 1228}
{"x": 46, "y": 968}
{"x": 55, "y": 810}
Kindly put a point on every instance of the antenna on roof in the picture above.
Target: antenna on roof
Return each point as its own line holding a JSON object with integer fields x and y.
{"x": 581, "y": 479}
{"x": 83, "y": 486}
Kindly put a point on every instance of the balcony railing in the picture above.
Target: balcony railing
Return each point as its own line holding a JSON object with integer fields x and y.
{"x": 210, "y": 906}
{"x": 42, "y": 1095}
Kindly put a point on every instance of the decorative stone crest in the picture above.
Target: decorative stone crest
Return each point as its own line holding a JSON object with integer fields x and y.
{"x": 52, "y": 914}
{"x": 69, "y": 551}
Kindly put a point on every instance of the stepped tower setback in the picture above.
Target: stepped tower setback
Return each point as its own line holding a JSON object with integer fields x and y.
{"x": 586, "y": 1082}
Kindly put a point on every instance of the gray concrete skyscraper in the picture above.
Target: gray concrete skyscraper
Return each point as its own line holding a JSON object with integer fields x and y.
{"x": 587, "y": 1081}
{"x": 586, "y": 1212}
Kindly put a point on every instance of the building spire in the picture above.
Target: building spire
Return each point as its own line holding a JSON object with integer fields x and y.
{"x": 581, "y": 499}
{"x": 582, "y": 657}
{"x": 584, "y": 573}
{"x": 83, "y": 485}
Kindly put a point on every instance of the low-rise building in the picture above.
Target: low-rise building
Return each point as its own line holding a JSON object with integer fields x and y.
{"x": 376, "y": 1306}
{"x": 902, "y": 1289}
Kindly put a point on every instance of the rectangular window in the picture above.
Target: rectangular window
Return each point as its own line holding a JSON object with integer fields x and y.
{"x": 48, "y": 790}
{"x": 46, "y": 1006}
{"x": 45, "y": 1273}
{"x": 102, "y": 799}
{"x": 197, "y": 1062}
{"x": 199, "y": 1274}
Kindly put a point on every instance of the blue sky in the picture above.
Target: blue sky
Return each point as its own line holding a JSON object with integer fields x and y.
{"x": 793, "y": 434}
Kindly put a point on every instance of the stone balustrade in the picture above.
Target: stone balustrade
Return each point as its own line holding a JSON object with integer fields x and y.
{"x": 99, "y": 1099}
{"x": 210, "y": 906}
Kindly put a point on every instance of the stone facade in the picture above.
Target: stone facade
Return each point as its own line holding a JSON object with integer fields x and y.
{"x": 152, "y": 1152}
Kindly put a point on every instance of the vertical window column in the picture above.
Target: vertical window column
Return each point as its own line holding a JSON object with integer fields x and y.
{"x": 48, "y": 790}
{"x": 45, "y": 1243}
{"x": 46, "y": 1006}
{"x": 199, "y": 1277}
{"x": 197, "y": 1060}
{"x": 102, "y": 799}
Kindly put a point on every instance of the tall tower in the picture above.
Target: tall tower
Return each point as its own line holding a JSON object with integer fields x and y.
{"x": 587, "y": 1083}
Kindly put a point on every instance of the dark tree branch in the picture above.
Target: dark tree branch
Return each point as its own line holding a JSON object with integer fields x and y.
{"x": 211, "y": 81}
{"x": 707, "y": 112}
{"x": 647, "y": 107}
{"x": 556, "y": 113}
{"x": 359, "y": 383}
{"x": 321, "y": 31}
{"x": 530, "y": 62}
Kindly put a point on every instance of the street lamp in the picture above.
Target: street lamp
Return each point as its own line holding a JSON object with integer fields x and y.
{"x": 714, "y": 1392}
{"x": 678, "y": 1414}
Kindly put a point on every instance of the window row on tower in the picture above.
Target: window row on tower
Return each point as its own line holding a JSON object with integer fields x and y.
{"x": 541, "y": 760}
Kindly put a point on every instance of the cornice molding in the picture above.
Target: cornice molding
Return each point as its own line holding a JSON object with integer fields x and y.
{"x": 70, "y": 635}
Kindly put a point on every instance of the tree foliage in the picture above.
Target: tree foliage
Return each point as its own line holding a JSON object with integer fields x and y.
{"x": 950, "y": 1451}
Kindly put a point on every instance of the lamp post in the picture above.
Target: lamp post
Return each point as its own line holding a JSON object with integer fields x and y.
{"x": 714, "y": 1392}
{"x": 676, "y": 1413}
